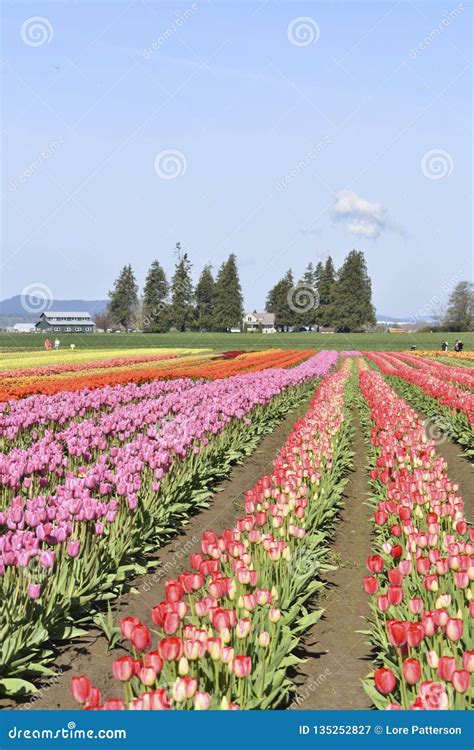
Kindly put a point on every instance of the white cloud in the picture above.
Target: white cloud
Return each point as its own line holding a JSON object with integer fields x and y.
{"x": 361, "y": 217}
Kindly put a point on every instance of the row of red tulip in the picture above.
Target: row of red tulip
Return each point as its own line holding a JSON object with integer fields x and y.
{"x": 420, "y": 580}
{"x": 226, "y": 629}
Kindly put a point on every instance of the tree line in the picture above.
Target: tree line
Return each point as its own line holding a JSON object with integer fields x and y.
{"x": 325, "y": 297}
{"x": 212, "y": 305}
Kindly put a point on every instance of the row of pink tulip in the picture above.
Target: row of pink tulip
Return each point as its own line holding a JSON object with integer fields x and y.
{"x": 224, "y": 632}
{"x": 446, "y": 393}
{"x": 463, "y": 376}
{"x": 420, "y": 580}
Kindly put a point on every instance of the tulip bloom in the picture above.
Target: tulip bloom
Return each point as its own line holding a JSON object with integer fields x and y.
{"x": 468, "y": 661}
{"x": 446, "y": 667}
{"x": 412, "y": 671}
{"x": 171, "y": 649}
{"x": 461, "y": 680}
{"x": 34, "y": 591}
{"x": 202, "y": 701}
{"x": 127, "y": 624}
{"x": 384, "y": 680}
{"x": 80, "y": 688}
{"x": 454, "y": 629}
{"x": 140, "y": 637}
{"x": 371, "y": 584}
{"x": 242, "y": 666}
{"x": 123, "y": 668}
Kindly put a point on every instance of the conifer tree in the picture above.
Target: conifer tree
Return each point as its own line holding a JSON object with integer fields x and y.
{"x": 124, "y": 297}
{"x": 205, "y": 299}
{"x": 155, "y": 295}
{"x": 352, "y": 308}
{"x": 182, "y": 312}
{"x": 228, "y": 306}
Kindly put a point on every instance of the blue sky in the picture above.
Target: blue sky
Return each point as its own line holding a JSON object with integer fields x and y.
{"x": 297, "y": 129}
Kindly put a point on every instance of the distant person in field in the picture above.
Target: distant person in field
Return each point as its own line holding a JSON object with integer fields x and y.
{"x": 413, "y": 347}
{"x": 57, "y": 343}
{"x": 460, "y": 346}
{"x": 456, "y": 346}
{"x": 444, "y": 346}
{"x": 48, "y": 344}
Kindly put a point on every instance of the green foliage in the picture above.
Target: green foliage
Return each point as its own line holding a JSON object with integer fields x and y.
{"x": 155, "y": 295}
{"x": 352, "y": 308}
{"x": 229, "y": 303}
{"x": 205, "y": 299}
{"x": 278, "y": 301}
{"x": 460, "y": 312}
{"x": 124, "y": 297}
{"x": 325, "y": 282}
{"x": 182, "y": 312}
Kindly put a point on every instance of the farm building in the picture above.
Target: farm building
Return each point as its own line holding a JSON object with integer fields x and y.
{"x": 255, "y": 321}
{"x": 65, "y": 322}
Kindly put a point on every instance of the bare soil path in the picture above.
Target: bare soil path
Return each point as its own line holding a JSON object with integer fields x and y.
{"x": 337, "y": 656}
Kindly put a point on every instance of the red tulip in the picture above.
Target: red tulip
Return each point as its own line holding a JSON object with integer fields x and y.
{"x": 415, "y": 634}
{"x": 93, "y": 699}
{"x": 397, "y": 632}
{"x": 468, "y": 661}
{"x": 461, "y": 680}
{"x": 395, "y": 577}
{"x": 446, "y": 667}
{"x": 454, "y": 629}
{"x": 123, "y": 668}
{"x": 416, "y": 606}
{"x": 396, "y": 551}
{"x": 242, "y": 666}
{"x": 127, "y": 624}
{"x": 375, "y": 563}
{"x": 370, "y": 584}
{"x": 114, "y": 704}
{"x": 412, "y": 671}
{"x": 81, "y": 688}
{"x": 383, "y": 603}
{"x": 395, "y": 595}
{"x": 171, "y": 649}
{"x": 140, "y": 637}
{"x": 384, "y": 680}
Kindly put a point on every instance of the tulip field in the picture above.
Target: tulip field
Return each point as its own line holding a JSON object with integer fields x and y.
{"x": 106, "y": 456}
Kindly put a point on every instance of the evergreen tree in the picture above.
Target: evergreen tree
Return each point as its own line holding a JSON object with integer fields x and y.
{"x": 325, "y": 276}
{"x": 124, "y": 297}
{"x": 352, "y": 307}
{"x": 155, "y": 294}
{"x": 228, "y": 307}
{"x": 205, "y": 299}
{"x": 460, "y": 313}
{"x": 306, "y": 297}
{"x": 280, "y": 301}
{"x": 182, "y": 313}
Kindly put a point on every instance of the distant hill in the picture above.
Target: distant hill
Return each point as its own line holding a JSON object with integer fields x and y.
{"x": 12, "y": 310}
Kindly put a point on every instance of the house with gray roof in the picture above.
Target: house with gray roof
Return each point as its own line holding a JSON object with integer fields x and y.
{"x": 262, "y": 321}
{"x": 65, "y": 322}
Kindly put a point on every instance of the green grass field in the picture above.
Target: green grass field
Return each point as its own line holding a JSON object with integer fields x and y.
{"x": 223, "y": 341}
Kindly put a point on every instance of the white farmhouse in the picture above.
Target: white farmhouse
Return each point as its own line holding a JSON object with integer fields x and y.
{"x": 255, "y": 321}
